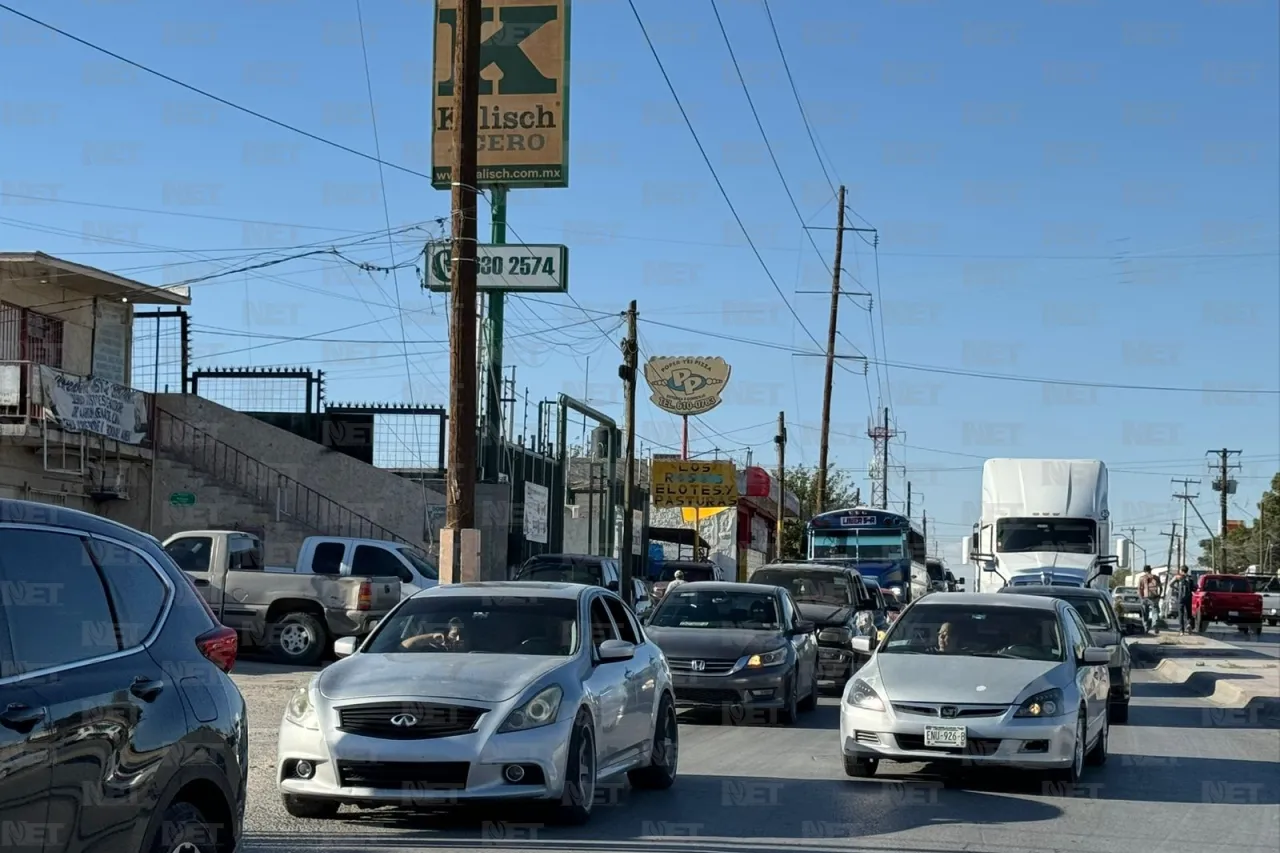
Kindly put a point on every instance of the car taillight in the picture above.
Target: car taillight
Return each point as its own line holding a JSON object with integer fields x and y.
{"x": 366, "y": 597}
{"x": 220, "y": 646}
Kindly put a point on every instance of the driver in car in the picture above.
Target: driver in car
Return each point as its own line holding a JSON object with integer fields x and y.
{"x": 947, "y": 642}
{"x": 449, "y": 641}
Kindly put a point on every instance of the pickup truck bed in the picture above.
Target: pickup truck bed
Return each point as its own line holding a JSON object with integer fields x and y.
{"x": 1229, "y": 599}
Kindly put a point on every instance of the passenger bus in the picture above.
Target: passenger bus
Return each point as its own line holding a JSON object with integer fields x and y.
{"x": 881, "y": 545}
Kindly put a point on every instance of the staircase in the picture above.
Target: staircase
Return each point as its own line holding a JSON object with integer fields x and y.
{"x": 236, "y": 491}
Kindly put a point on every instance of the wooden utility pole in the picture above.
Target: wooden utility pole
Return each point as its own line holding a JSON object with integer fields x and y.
{"x": 908, "y": 499}
{"x": 1173, "y": 537}
{"x": 460, "y": 509}
{"x": 1186, "y": 497}
{"x": 781, "y": 440}
{"x": 1223, "y": 486}
{"x": 821, "y": 490}
{"x": 627, "y": 372}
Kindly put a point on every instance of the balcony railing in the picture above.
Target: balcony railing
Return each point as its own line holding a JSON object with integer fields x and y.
{"x": 23, "y": 404}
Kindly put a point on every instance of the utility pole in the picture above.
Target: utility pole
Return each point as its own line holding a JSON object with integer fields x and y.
{"x": 1186, "y": 499}
{"x": 1173, "y": 537}
{"x": 781, "y": 441}
{"x": 1225, "y": 487}
{"x": 924, "y": 530}
{"x": 627, "y": 372}
{"x": 460, "y": 509}
{"x": 908, "y": 499}
{"x": 1133, "y": 538}
{"x": 831, "y": 355}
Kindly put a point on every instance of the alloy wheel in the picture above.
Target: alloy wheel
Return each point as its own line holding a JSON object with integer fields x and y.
{"x": 295, "y": 638}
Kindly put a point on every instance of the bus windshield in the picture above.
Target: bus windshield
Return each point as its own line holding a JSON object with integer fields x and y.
{"x": 1057, "y": 535}
{"x": 865, "y": 546}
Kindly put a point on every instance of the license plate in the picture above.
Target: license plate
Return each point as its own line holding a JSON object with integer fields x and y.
{"x": 949, "y": 736}
{"x": 1233, "y": 612}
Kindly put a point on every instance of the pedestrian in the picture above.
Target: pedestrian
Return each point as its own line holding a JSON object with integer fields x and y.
{"x": 1149, "y": 592}
{"x": 675, "y": 582}
{"x": 1181, "y": 589}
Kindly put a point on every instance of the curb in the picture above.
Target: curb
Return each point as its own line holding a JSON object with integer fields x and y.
{"x": 1216, "y": 686}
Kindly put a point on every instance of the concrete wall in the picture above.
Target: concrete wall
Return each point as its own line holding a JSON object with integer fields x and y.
{"x": 23, "y": 476}
{"x": 401, "y": 506}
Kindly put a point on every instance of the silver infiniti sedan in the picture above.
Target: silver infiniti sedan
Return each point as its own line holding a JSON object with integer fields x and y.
{"x": 484, "y": 691}
{"x": 973, "y": 679}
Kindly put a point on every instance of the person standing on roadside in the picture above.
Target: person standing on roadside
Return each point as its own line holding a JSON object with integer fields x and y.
{"x": 1181, "y": 589}
{"x": 1149, "y": 592}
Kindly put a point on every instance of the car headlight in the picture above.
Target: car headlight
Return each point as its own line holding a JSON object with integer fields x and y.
{"x": 539, "y": 711}
{"x": 772, "y": 658}
{"x": 863, "y": 695}
{"x": 1046, "y": 704}
{"x": 300, "y": 711}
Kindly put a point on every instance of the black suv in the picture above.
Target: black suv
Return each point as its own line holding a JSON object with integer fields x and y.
{"x": 119, "y": 726}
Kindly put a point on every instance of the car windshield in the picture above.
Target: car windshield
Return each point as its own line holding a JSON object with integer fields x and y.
{"x": 563, "y": 571}
{"x": 1062, "y": 536}
{"x": 858, "y": 546}
{"x": 420, "y": 562}
{"x": 714, "y": 608}
{"x": 808, "y": 585}
{"x": 977, "y": 630}
{"x": 493, "y": 625}
{"x": 691, "y": 573}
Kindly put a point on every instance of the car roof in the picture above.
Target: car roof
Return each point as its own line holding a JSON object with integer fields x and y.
{"x": 526, "y": 589}
{"x": 730, "y": 586}
{"x": 1034, "y": 602}
{"x": 580, "y": 558}
{"x": 830, "y": 568}
{"x": 38, "y": 514}
{"x": 1055, "y": 590}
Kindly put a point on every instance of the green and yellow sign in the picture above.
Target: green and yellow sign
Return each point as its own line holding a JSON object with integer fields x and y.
{"x": 524, "y": 93}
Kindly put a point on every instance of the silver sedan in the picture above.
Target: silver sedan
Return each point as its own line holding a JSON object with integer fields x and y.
{"x": 975, "y": 679}
{"x": 488, "y": 691}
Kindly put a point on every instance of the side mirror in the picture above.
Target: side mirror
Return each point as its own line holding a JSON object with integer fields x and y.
{"x": 803, "y": 627}
{"x": 988, "y": 567}
{"x": 1095, "y": 655}
{"x": 344, "y": 647}
{"x": 1106, "y": 570}
{"x": 959, "y": 581}
{"x": 615, "y": 651}
{"x": 861, "y": 644}
{"x": 612, "y": 586}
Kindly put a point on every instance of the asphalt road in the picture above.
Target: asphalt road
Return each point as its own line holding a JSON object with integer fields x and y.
{"x": 1183, "y": 776}
{"x": 1266, "y": 645}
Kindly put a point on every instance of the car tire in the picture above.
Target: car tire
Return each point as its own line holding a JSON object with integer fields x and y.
{"x": 789, "y": 715}
{"x": 810, "y": 701}
{"x": 1119, "y": 712}
{"x": 184, "y": 827}
{"x": 310, "y": 808}
{"x": 860, "y": 768}
{"x": 1071, "y": 773}
{"x": 1201, "y": 623}
{"x": 298, "y": 638}
{"x": 664, "y": 759}
{"x": 579, "y": 793}
{"x": 1098, "y": 755}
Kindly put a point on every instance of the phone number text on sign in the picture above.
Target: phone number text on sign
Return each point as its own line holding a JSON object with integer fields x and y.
{"x": 704, "y": 485}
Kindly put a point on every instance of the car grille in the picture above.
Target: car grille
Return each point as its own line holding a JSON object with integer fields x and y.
{"x": 707, "y": 696}
{"x": 713, "y": 666}
{"x": 961, "y": 711}
{"x": 975, "y": 746}
{"x": 416, "y": 775}
{"x": 417, "y": 720}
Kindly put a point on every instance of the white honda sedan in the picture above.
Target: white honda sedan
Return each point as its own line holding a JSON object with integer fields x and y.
{"x": 486, "y": 691}
{"x": 971, "y": 679}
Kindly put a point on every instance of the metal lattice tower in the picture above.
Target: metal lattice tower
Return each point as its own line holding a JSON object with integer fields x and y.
{"x": 878, "y": 470}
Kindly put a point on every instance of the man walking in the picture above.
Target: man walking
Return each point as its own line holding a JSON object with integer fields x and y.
{"x": 1149, "y": 592}
{"x": 1180, "y": 590}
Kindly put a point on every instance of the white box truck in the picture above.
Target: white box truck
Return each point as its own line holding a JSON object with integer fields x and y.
{"x": 1044, "y": 521}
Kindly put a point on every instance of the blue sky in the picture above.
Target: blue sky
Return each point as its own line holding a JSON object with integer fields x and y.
{"x": 1065, "y": 190}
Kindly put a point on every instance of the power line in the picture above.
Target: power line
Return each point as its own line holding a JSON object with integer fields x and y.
{"x": 804, "y": 117}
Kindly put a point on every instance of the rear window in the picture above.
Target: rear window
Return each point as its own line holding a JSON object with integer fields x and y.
{"x": 562, "y": 571}
{"x": 1221, "y": 584}
{"x": 691, "y": 573}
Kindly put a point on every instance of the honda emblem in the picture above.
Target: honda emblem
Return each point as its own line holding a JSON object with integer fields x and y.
{"x": 949, "y": 711}
{"x": 698, "y": 665}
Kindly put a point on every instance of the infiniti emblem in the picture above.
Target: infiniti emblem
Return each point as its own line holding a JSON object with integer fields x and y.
{"x": 948, "y": 711}
{"x": 404, "y": 720}
{"x": 698, "y": 665}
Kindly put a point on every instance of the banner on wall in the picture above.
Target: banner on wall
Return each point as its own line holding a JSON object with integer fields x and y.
{"x": 92, "y": 404}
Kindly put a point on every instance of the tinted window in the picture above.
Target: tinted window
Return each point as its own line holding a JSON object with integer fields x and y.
{"x": 1224, "y": 584}
{"x": 808, "y": 585}
{"x": 601, "y": 627}
{"x": 563, "y": 570}
{"x": 691, "y": 573}
{"x": 626, "y": 631}
{"x": 54, "y": 600}
{"x": 327, "y": 558}
{"x": 191, "y": 553}
{"x": 977, "y": 631}
{"x": 137, "y": 591}
{"x": 420, "y": 562}
{"x": 706, "y": 608}
{"x": 504, "y": 625}
{"x": 1094, "y": 611}
{"x": 373, "y": 562}
{"x": 246, "y": 553}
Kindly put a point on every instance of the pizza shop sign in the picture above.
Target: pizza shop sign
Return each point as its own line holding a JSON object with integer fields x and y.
{"x": 90, "y": 404}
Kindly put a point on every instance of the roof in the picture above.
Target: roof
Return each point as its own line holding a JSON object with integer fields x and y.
{"x": 1055, "y": 591}
{"x": 985, "y": 599}
{"x": 729, "y": 586}
{"x": 528, "y": 589}
{"x": 49, "y": 515}
{"x": 90, "y": 280}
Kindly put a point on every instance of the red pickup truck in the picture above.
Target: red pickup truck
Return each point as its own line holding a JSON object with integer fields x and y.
{"x": 1229, "y": 599}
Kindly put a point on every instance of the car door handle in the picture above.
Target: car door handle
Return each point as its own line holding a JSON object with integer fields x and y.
{"x": 21, "y": 718}
{"x": 199, "y": 582}
{"x": 146, "y": 689}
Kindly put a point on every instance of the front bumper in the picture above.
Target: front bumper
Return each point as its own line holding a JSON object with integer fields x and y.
{"x": 999, "y": 740}
{"x": 762, "y": 688}
{"x": 837, "y": 663}
{"x": 435, "y": 771}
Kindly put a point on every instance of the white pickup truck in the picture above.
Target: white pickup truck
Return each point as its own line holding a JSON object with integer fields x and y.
{"x": 366, "y": 558}
{"x": 1269, "y": 589}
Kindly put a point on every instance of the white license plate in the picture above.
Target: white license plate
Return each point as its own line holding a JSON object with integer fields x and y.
{"x": 1233, "y": 612}
{"x": 950, "y": 736}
